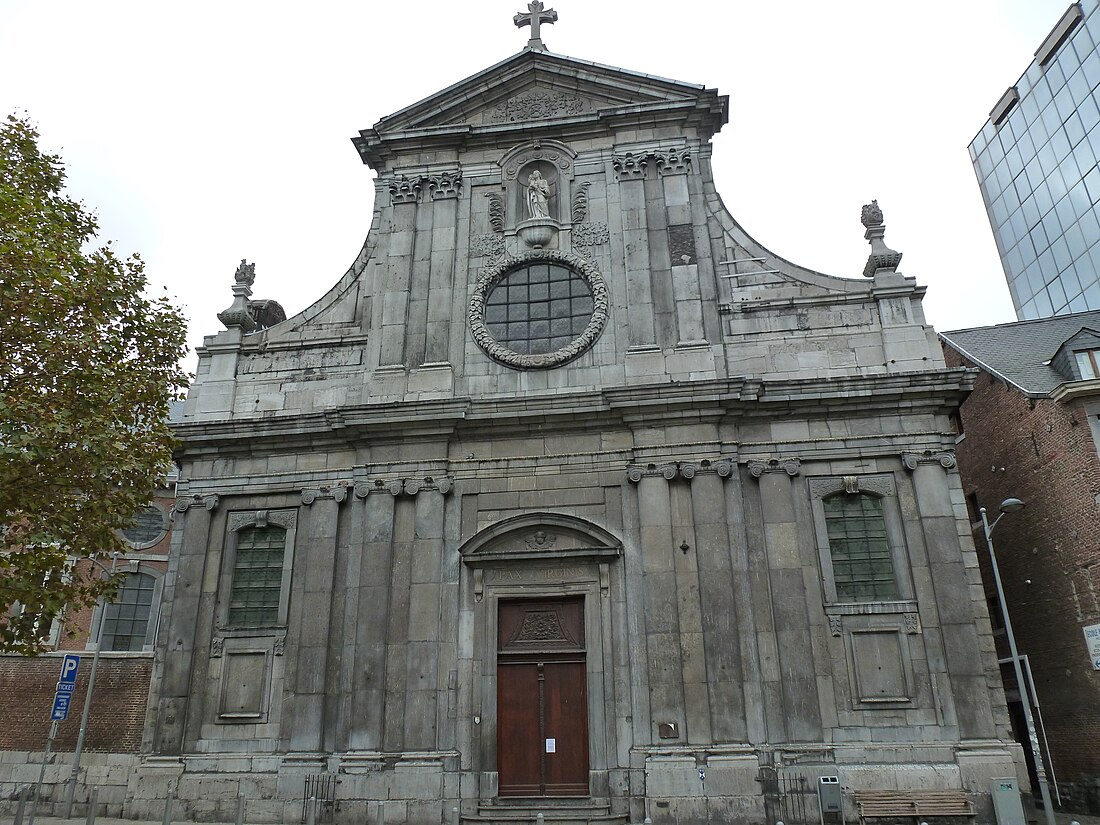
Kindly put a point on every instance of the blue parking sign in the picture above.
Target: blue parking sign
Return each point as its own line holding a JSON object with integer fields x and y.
{"x": 69, "y": 667}
{"x": 66, "y": 685}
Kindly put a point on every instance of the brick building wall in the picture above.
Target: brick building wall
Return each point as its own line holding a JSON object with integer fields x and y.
{"x": 117, "y": 717}
{"x": 118, "y": 705}
{"x": 1043, "y": 452}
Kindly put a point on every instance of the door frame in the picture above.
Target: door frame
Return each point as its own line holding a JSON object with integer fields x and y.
{"x": 501, "y": 563}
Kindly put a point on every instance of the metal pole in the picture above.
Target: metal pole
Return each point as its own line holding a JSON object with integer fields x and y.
{"x": 93, "y": 800}
{"x": 1025, "y": 699}
{"x": 21, "y": 806}
{"x": 240, "y": 810}
{"x": 42, "y": 772}
{"x": 168, "y": 809}
{"x": 70, "y": 787}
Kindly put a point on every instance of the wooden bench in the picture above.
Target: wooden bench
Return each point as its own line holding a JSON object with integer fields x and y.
{"x": 914, "y": 804}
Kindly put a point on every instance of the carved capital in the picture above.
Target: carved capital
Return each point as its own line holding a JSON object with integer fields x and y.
{"x": 278, "y": 647}
{"x": 629, "y": 166}
{"x": 217, "y": 647}
{"x": 337, "y": 492}
{"x": 836, "y": 624}
{"x": 686, "y": 470}
{"x": 790, "y": 466}
{"x": 404, "y": 189}
{"x": 673, "y": 161}
{"x": 404, "y": 486}
{"x": 912, "y": 623}
{"x": 945, "y": 458}
{"x": 445, "y": 185}
{"x": 185, "y": 503}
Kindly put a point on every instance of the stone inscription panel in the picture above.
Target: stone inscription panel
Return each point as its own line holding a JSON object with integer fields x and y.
{"x": 244, "y": 686}
{"x": 879, "y": 668}
{"x": 540, "y": 574}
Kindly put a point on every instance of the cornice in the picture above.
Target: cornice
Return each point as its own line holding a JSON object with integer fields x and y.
{"x": 696, "y": 401}
{"x": 1074, "y": 390}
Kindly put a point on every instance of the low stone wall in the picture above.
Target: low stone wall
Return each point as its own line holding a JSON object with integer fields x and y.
{"x": 109, "y": 773}
{"x": 672, "y": 786}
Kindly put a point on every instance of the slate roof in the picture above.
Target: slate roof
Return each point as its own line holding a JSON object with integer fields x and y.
{"x": 1020, "y": 352}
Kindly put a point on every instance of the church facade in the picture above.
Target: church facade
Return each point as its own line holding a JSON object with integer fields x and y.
{"x": 570, "y": 497}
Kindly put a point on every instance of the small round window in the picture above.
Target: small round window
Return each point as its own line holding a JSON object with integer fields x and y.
{"x": 148, "y": 527}
{"x": 538, "y": 311}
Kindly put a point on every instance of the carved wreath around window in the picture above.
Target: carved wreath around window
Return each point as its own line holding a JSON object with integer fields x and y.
{"x": 540, "y": 310}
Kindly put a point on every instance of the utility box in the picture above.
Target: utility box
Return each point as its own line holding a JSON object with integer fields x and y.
{"x": 1006, "y": 802}
{"x": 829, "y": 800}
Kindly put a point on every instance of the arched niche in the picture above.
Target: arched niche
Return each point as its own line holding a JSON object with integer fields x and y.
{"x": 554, "y": 161}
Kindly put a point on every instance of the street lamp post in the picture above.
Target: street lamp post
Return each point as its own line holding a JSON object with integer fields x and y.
{"x": 70, "y": 786}
{"x": 1011, "y": 505}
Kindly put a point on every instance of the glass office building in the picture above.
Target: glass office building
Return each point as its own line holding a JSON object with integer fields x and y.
{"x": 1036, "y": 161}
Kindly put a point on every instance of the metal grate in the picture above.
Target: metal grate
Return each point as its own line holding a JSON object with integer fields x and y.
{"x": 787, "y": 795}
{"x": 320, "y": 795}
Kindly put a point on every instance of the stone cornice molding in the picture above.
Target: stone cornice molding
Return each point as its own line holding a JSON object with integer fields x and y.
{"x": 944, "y": 458}
{"x": 758, "y": 467}
{"x": 931, "y": 391}
{"x": 442, "y": 484}
{"x": 184, "y": 503}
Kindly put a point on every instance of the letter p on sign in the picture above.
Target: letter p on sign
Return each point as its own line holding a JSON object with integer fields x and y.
{"x": 69, "y": 666}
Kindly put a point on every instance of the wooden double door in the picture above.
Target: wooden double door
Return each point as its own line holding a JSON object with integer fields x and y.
{"x": 542, "y": 698}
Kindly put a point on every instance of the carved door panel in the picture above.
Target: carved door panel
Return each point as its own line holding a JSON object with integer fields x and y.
{"x": 542, "y": 699}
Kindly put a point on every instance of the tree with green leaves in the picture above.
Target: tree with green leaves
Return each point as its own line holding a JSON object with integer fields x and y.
{"x": 88, "y": 365}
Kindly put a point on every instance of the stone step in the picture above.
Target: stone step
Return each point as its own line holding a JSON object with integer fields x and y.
{"x": 555, "y": 811}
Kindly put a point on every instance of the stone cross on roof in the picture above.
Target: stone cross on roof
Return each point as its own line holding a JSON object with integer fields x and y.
{"x": 535, "y": 16}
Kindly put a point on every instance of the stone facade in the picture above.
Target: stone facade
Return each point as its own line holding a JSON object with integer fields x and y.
{"x": 626, "y": 514}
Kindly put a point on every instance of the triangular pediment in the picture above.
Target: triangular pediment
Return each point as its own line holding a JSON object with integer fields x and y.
{"x": 537, "y": 86}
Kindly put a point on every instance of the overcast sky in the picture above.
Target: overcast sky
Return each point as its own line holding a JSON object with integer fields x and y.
{"x": 205, "y": 132}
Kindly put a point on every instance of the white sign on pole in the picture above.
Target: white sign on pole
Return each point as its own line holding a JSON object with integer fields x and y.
{"x": 1092, "y": 639}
